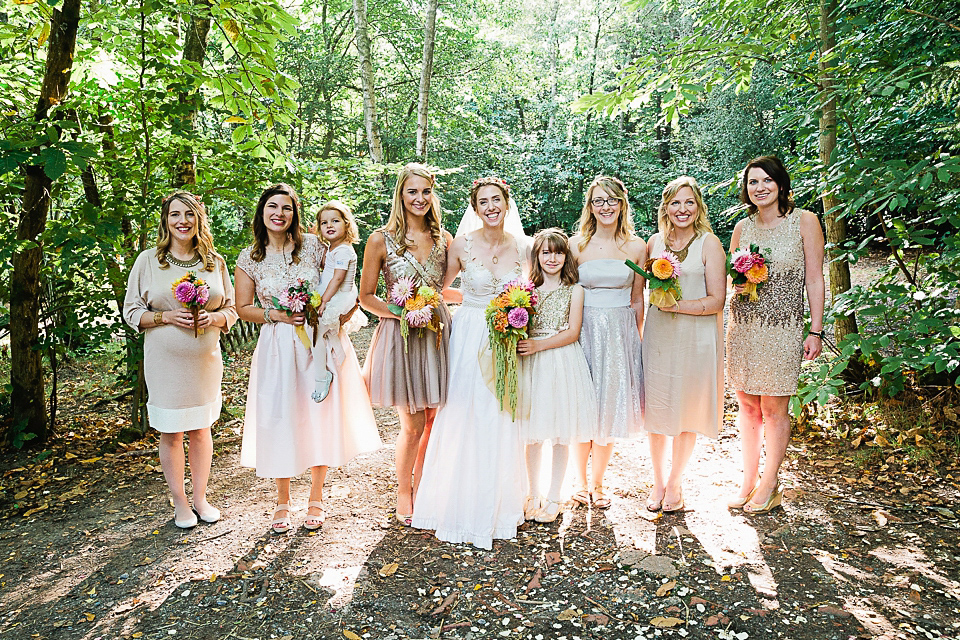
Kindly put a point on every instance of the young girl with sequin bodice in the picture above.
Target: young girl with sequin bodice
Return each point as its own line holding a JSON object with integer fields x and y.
{"x": 562, "y": 401}
{"x": 338, "y": 230}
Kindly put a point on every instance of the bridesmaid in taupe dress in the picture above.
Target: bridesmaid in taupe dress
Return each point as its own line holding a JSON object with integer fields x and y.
{"x": 412, "y": 379}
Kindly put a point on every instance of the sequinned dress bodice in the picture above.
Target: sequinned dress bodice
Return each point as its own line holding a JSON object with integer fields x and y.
{"x": 552, "y": 311}
{"x": 401, "y": 266}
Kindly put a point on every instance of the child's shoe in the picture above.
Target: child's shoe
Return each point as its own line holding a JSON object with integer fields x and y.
{"x": 323, "y": 386}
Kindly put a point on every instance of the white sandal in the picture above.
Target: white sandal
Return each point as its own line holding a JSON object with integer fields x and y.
{"x": 281, "y": 525}
{"x": 549, "y": 511}
{"x": 312, "y": 523}
{"x": 531, "y": 507}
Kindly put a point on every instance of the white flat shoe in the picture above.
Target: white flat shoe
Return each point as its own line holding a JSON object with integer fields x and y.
{"x": 323, "y": 386}
{"x": 187, "y": 523}
{"x": 209, "y": 516}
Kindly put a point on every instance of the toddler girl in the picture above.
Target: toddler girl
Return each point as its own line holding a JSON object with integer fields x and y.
{"x": 338, "y": 230}
{"x": 563, "y": 404}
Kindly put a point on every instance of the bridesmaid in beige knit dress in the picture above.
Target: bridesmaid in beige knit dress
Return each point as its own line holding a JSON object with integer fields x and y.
{"x": 765, "y": 340}
{"x": 411, "y": 378}
{"x": 682, "y": 344}
{"x": 182, "y": 372}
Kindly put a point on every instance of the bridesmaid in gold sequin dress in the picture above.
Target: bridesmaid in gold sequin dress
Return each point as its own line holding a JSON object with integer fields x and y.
{"x": 413, "y": 379}
{"x": 765, "y": 341}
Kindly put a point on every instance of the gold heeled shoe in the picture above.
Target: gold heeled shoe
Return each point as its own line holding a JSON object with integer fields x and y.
{"x": 738, "y": 502}
{"x": 772, "y": 502}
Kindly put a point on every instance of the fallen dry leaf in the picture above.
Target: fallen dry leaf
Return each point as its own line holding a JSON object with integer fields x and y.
{"x": 350, "y": 635}
{"x": 552, "y": 558}
{"x": 666, "y": 588}
{"x": 567, "y": 614}
{"x": 663, "y": 623}
{"x": 388, "y": 570}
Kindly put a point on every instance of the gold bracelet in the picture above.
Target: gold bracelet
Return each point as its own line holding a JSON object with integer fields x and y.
{"x": 158, "y": 318}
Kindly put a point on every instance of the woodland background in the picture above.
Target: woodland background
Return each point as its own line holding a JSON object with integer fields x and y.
{"x": 106, "y": 106}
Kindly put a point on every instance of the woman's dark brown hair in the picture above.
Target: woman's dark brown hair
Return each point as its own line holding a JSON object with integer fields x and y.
{"x": 773, "y": 167}
{"x": 557, "y": 242}
{"x": 260, "y": 238}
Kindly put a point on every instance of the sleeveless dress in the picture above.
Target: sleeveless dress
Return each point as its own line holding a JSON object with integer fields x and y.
{"x": 683, "y": 358}
{"x": 611, "y": 344}
{"x": 563, "y": 404}
{"x": 284, "y": 431}
{"x": 765, "y": 337}
{"x": 416, "y": 378}
{"x": 183, "y": 373}
{"x": 472, "y": 488}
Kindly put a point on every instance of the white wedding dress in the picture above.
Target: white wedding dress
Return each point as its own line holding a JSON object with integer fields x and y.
{"x": 472, "y": 488}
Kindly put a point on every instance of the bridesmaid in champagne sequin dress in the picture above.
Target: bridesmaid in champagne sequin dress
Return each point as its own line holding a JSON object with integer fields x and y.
{"x": 612, "y": 321}
{"x": 412, "y": 377}
{"x": 765, "y": 341}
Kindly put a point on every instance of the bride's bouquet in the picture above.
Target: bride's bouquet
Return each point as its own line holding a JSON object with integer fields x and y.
{"x": 509, "y": 317}
{"x": 299, "y": 298}
{"x": 192, "y": 292}
{"x": 748, "y": 267}
{"x": 662, "y": 275}
{"x": 417, "y": 308}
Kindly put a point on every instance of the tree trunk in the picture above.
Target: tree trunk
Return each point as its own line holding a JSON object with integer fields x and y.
{"x": 662, "y": 131}
{"x": 429, "y": 37}
{"x": 554, "y": 62}
{"x": 366, "y": 78}
{"x": 836, "y": 226}
{"x": 194, "y": 51}
{"x": 26, "y": 373}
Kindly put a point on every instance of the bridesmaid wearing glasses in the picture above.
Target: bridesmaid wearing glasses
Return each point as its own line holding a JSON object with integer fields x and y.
{"x": 612, "y": 325}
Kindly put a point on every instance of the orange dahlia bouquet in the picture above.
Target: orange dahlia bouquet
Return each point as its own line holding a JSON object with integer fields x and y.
{"x": 748, "y": 267}
{"x": 417, "y": 308}
{"x": 662, "y": 275}
{"x": 509, "y": 317}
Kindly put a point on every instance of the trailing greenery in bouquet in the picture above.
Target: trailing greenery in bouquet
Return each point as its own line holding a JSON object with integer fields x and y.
{"x": 509, "y": 317}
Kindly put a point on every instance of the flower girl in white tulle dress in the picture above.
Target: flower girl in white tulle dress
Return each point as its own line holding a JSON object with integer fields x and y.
{"x": 562, "y": 400}
{"x": 338, "y": 230}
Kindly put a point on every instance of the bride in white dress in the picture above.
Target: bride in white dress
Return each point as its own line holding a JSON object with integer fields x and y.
{"x": 472, "y": 488}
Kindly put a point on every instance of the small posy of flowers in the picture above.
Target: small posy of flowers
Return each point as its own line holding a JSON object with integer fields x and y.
{"x": 416, "y": 307}
{"x": 509, "y": 317}
{"x": 662, "y": 275}
{"x": 299, "y": 299}
{"x": 192, "y": 292}
{"x": 748, "y": 267}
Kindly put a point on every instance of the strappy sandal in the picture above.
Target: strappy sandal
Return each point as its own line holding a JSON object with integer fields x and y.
{"x": 654, "y": 506}
{"x": 599, "y": 498}
{"x": 312, "y": 523}
{"x": 405, "y": 519}
{"x": 281, "y": 525}
{"x": 582, "y": 496}
{"x": 674, "y": 508}
{"x": 531, "y": 507}
{"x": 549, "y": 511}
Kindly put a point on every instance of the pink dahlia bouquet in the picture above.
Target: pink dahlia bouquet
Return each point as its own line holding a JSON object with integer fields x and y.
{"x": 298, "y": 299}
{"x": 417, "y": 308}
{"x": 509, "y": 317}
{"x": 193, "y": 293}
{"x": 748, "y": 267}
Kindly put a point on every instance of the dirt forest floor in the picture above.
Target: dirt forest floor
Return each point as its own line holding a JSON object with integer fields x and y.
{"x": 88, "y": 550}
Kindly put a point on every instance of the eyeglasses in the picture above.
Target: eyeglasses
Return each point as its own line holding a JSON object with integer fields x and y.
{"x": 610, "y": 202}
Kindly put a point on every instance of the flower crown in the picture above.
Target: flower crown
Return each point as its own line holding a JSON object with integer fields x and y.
{"x": 494, "y": 180}
{"x": 181, "y": 192}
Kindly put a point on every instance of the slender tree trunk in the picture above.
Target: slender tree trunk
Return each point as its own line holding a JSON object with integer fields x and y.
{"x": 26, "y": 374}
{"x": 366, "y": 78}
{"x": 662, "y": 131}
{"x": 554, "y": 62}
{"x": 836, "y": 226}
{"x": 429, "y": 38}
{"x": 194, "y": 51}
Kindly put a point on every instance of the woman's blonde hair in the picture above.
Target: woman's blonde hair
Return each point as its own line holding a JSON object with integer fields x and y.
{"x": 396, "y": 225}
{"x": 588, "y": 223}
{"x": 202, "y": 239}
{"x": 701, "y": 224}
{"x": 556, "y": 241}
{"x": 352, "y": 235}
